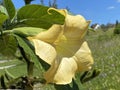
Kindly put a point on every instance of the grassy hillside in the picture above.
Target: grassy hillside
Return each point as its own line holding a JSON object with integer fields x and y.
{"x": 105, "y": 48}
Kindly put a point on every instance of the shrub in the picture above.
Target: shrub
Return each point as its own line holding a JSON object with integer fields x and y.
{"x": 117, "y": 30}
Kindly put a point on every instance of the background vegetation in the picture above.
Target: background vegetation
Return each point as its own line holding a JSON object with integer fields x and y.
{"x": 105, "y": 47}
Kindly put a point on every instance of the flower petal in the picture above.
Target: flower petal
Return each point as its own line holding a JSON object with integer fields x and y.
{"x": 50, "y": 35}
{"x": 45, "y": 51}
{"x": 67, "y": 48}
{"x": 74, "y": 30}
{"x": 62, "y": 72}
{"x": 75, "y": 27}
{"x": 84, "y": 58}
{"x": 61, "y": 11}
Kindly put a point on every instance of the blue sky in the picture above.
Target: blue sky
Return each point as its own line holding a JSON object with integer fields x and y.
{"x": 99, "y": 11}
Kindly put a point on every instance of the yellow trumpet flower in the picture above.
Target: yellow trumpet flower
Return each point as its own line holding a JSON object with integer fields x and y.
{"x": 64, "y": 48}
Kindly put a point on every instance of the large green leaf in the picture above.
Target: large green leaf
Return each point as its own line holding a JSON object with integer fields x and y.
{"x": 3, "y": 17}
{"x": 10, "y": 8}
{"x": 32, "y": 57}
{"x": 39, "y": 16}
{"x": 8, "y": 45}
{"x": 27, "y": 31}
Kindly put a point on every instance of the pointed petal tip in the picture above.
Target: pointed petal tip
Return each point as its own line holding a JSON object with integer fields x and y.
{"x": 88, "y": 22}
{"x": 61, "y": 11}
{"x": 30, "y": 38}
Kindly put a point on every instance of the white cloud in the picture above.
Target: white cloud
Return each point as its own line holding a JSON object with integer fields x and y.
{"x": 111, "y": 7}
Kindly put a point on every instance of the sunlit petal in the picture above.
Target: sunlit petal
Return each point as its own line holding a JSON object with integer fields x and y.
{"x": 45, "y": 51}
{"x": 75, "y": 27}
{"x": 62, "y": 11}
{"x": 62, "y": 72}
{"x": 50, "y": 35}
{"x": 67, "y": 48}
{"x": 84, "y": 58}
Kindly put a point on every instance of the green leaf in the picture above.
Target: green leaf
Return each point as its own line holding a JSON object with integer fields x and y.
{"x": 33, "y": 58}
{"x": 3, "y": 17}
{"x": 39, "y": 16}
{"x": 8, "y": 75}
{"x": 3, "y": 10}
{"x": 27, "y": 31}
{"x": 8, "y": 45}
{"x": 10, "y": 8}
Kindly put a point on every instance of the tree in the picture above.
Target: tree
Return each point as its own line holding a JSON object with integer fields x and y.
{"x": 28, "y": 1}
{"x": 53, "y": 4}
{"x": 116, "y": 23}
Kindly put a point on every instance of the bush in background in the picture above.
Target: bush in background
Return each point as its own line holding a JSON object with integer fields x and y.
{"x": 117, "y": 28}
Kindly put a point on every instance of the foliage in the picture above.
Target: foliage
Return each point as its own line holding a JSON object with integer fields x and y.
{"x": 43, "y": 17}
{"x": 117, "y": 28}
{"x": 105, "y": 48}
{"x": 117, "y": 31}
{"x": 8, "y": 45}
{"x": 3, "y": 17}
{"x": 10, "y": 8}
{"x": 15, "y": 26}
